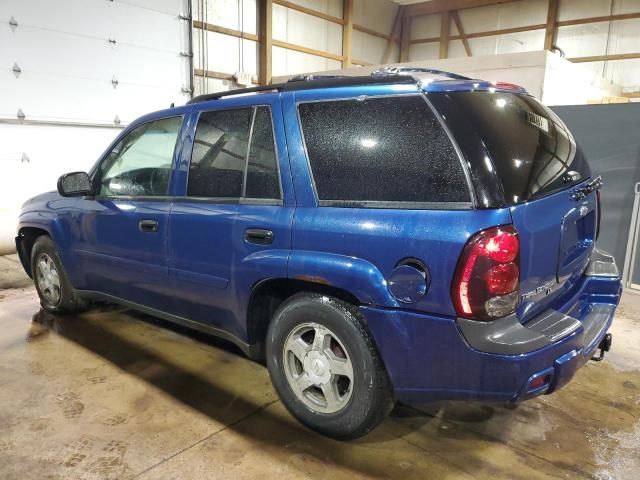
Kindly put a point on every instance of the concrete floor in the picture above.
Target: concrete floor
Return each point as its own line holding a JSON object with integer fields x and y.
{"x": 115, "y": 394}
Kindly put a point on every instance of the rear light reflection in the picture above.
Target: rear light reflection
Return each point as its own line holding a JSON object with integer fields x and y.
{"x": 598, "y": 213}
{"x": 486, "y": 283}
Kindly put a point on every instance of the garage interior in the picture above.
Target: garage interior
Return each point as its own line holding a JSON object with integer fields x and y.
{"x": 112, "y": 393}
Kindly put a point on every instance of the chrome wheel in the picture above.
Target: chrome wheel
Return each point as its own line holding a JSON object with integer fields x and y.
{"x": 48, "y": 279}
{"x": 318, "y": 368}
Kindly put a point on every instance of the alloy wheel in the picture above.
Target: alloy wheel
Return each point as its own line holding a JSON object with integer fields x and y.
{"x": 48, "y": 279}
{"x": 318, "y": 368}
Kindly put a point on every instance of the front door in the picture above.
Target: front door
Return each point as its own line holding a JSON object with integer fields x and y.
{"x": 123, "y": 229}
{"x": 232, "y": 225}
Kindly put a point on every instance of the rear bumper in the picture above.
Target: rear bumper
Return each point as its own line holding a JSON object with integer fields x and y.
{"x": 435, "y": 358}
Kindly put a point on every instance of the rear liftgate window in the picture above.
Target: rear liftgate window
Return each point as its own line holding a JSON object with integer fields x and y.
{"x": 385, "y": 149}
{"x": 533, "y": 152}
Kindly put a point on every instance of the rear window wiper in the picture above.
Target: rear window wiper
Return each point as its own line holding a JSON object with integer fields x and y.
{"x": 584, "y": 190}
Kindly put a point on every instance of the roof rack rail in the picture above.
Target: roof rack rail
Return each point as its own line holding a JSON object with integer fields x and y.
{"x": 238, "y": 91}
{"x": 410, "y": 70}
{"x": 306, "y": 78}
{"x": 309, "y": 82}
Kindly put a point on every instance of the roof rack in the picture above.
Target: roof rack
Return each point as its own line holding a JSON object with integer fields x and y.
{"x": 384, "y": 75}
{"x": 409, "y": 70}
{"x": 309, "y": 82}
{"x": 306, "y": 78}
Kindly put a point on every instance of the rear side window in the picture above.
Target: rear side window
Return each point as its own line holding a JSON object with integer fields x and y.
{"x": 532, "y": 151}
{"x": 381, "y": 149}
{"x": 234, "y": 155}
{"x": 262, "y": 170}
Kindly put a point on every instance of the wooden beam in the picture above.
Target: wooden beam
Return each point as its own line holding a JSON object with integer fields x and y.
{"x": 225, "y": 31}
{"x": 437, "y": 6}
{"x": 265, "y": 19}
{"x": 490, "y": 33}
{"x": 445, "y": 22}
{"x": 361, "y": 63}
{"x": 371, "y": 32}
{"x": 310, "y": 51}
{"x": 309, "y": 11}
{"x": 395, "y": 33}
{"x": 463, "y": 37}
{"x": 218, "y": 75}
{"x": 631, "y": 94}
{"x": 605, "y": 58}
{"x": 405, "y": 38}
{"x": 550, "y": 29}
{"x": 540, "y": 26}
{"x": 606, "y": 18}
{"x": 347, "y": 32}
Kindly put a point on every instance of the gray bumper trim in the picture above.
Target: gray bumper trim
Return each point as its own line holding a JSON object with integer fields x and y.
{"x": 507, "y": 336}
{"x": 602, "y": 264}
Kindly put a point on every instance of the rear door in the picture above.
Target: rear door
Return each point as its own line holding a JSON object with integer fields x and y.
{"x": 230, "y": 223}
{"x": 547, "y": 184}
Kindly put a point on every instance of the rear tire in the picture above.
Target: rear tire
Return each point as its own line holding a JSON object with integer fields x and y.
{"x": 52, "y": 284}
{"x": 325, "y": 367}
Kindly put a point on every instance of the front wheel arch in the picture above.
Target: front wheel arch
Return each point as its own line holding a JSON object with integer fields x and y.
{"x": 25, "y": 240}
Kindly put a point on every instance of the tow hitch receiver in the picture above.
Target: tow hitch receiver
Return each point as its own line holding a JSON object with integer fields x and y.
{"x": 605, "y": 346}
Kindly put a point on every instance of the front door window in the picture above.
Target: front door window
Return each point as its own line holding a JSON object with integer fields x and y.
{"x": 140, "y": 164}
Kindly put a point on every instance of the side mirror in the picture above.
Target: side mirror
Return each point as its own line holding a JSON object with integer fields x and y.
{"x": 75, "y": 184}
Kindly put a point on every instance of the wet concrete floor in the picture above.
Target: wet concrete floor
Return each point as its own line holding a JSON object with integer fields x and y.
{"x": 116, "y": 394}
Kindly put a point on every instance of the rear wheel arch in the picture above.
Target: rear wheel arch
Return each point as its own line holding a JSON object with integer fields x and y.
{"x": 267, "y": 295}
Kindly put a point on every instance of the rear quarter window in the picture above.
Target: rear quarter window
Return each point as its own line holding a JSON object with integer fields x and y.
{"x": 381, "y": 149}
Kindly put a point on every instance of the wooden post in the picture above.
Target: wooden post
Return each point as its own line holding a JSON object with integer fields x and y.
{"x": 444, "y": 34}
{"x": 395, "y": 33}
{"x": 405, "y": 38}
{"x": 550, "y": 30}
{"x": 463, "y": 37}
{"x": 266, "y": 41}
{"x": 347, "y": 32}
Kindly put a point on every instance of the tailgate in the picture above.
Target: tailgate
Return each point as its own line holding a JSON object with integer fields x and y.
{"x": 557, "y": 235}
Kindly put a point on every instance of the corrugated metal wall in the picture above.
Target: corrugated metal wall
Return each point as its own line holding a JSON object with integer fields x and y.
{"x": 608, "y": 134}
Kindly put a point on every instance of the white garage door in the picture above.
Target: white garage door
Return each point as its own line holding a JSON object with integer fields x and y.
{"x": 79, "y": 70}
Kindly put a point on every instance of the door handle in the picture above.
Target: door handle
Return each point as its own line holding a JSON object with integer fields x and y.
{"x": 260, "y": 236}
{"x": 148, "y": 225}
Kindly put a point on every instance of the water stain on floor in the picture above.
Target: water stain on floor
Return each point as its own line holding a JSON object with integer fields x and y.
{"x": 114, "y": 394}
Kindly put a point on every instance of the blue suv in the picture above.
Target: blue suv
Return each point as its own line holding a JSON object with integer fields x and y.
{"x": 405, "y": 236}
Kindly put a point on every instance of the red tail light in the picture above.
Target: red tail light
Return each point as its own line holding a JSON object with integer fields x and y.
{"x": 486, "y": 284}
{"x": 507, "y": 86}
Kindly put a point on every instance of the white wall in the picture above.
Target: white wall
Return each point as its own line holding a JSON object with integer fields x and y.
{"x": 226, "y": 54}
{"x": 621, "y": 36}
{"x": 68, "y": 64}
{"x": 554, "y": 80}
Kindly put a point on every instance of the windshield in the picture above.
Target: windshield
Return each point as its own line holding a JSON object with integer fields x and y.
{"x": 531, "y": 149}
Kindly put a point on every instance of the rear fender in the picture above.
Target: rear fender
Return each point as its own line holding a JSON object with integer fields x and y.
{"x": 354, "y": 275}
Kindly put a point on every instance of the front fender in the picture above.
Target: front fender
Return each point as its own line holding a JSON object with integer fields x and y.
{"x": 52, "y": 217}
{"x": 355, "y": 275}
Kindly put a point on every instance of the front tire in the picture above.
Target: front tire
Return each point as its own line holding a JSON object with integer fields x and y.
{"x": 53, "y": 287}
{"x": 325, "y": 367}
